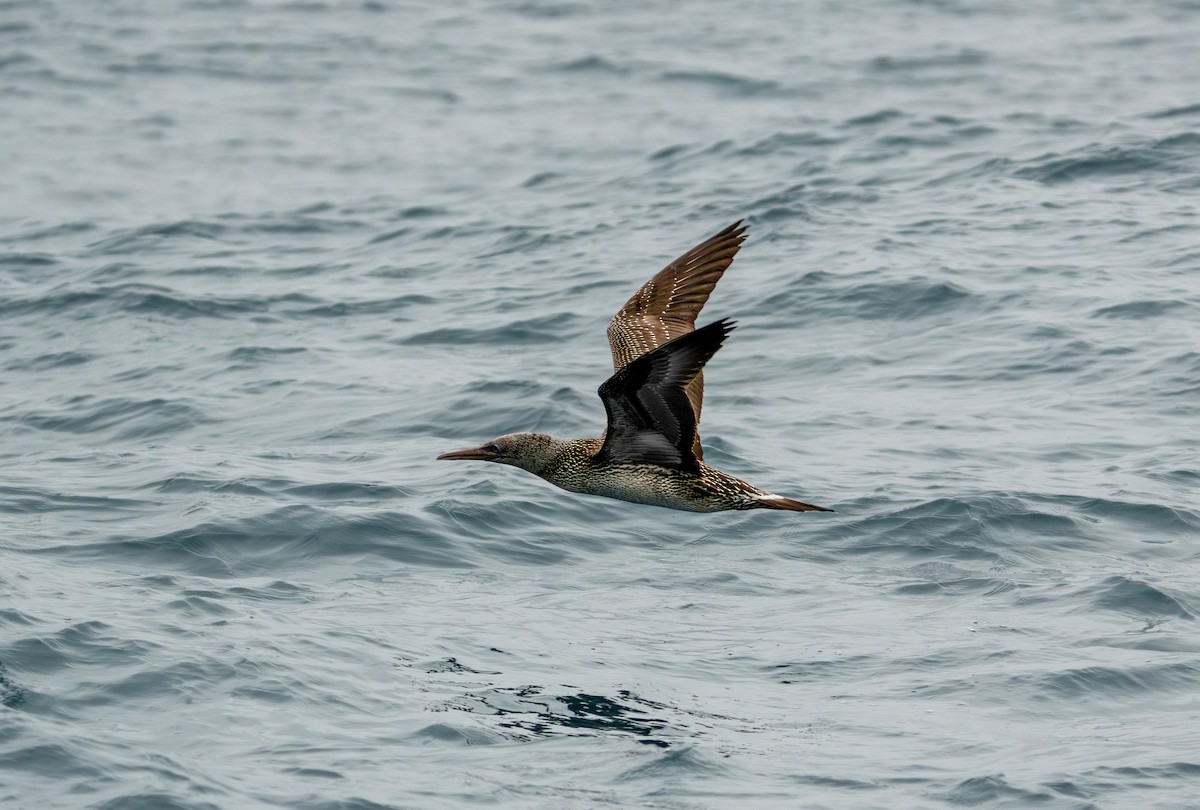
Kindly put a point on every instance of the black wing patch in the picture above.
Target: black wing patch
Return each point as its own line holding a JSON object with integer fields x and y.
{"x": 650, "y": 419}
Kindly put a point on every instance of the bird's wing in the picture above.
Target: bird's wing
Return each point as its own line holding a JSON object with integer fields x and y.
{"x": 667, "y": 305}
{"x": 650, "y": 419}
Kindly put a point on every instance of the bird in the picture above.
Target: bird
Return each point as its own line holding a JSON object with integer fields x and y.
{"x": 650, "y": 452}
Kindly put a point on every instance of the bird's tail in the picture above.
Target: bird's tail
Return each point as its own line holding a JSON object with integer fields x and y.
{"x": 779, "y": 502}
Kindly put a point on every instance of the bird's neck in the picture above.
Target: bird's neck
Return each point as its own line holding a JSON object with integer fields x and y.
{"x": 569, "y": 456}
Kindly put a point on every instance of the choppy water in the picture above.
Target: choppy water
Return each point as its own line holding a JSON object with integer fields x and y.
{"x": 262, "y": 261}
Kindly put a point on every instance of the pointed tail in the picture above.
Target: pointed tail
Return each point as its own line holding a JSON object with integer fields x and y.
{"x": 779, "y": 502}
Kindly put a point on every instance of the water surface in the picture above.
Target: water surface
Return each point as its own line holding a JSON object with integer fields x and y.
{"x": 260, "y": 262}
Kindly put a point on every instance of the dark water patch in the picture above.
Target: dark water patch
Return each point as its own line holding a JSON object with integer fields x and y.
{"x": 292, "y": 223}
{"x": 180, "y": 235}
{"x": 250, "y": 356}
{"x": 954, "y": 586}
{"x": 1139, "y": 599}
{"x": 348, "y": 491}
{"x": 90, "y": 643}
{"x": 47, "y": 362}
{"x": 18, "y": 260}
{"x": 668, "y": 152}
{"x": 964, "y": 58}
{"x": 835, "y": 782}
{"x": 1147, "y": 522}
{"x": 26, "y": 500}
{"x": 452, "y": 665}
{"x": 276, "y": 591}
{"x": 1127, "y": 683}
{"x": 540, "y": 331}
{"x": 437, "y": 94}
{"x": 980, "y": 790}
{"x": 290, "y": 536}
{"x": 187, "y": 679}
{"x": 203, "y": 270}
{"x": 1182, "y": 477}
{"x": 907, "y": 141}
{"x": 1155, "y": 636}
{"x": 200, "y": 606}
{"x": 294, "y": 271}
{"x": 820, "y": 670}
{"x": 1178, "y": 153}
{"x": 549, "y": 9}
{"x": 725, "y": 83}
{"x": 117, "y": 271}
{"x": 946, "y": 225}
{"x": 871, "y": 119}
{"x": 787, "y": 204}
{"x": 1075, "y": 687}
{"x": 528, "y": 712}
{"x": 984, "y": 169}
{"x": 1177, "y": 375}
{"x": 17, "y": 59}
{"x": 54, "y": 761}
{"x": 1072, "y": 790}
{"x": 541, "y": 179}
{"x": 418, "y": 212}
{"x": 591, "y": 65}
{"x": 388, "y": 236}
{"x": 155, "y": 800}
{"x": 525, "y": 240}
{"x": 1174, "y": 770}
{"x": 1138, "y": 310}
{"x": 344, "y": 309}
{"x": 787, "y": 143}
{"x": 120, "y": 418}
{"x": 1159, "y": 233}
{"x": 1176, "y": 112}
{"x": 905, "y": 300}
{"x": 51, "y": 232}
{"x": 850, "y": 668}
{"x": 12, "y": 694}
{"x": 313, "y": 773}
{"x": 15, "y": 618}
{"x": 687, "y": 762}
{"x": 173, "y": 305}
{"x": 996, "y": 527}
{"x": 142, "y": 299}
{"x": 526, "y": 532}
{"x": 162, "y": 67}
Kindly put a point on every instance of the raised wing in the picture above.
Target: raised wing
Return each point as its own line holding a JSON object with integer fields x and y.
{"x": 667, "y": 305}
{"x": 650, "y": 418}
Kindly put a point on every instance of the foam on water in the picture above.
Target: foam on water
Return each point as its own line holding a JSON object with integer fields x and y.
{"x": 261, "y": 262}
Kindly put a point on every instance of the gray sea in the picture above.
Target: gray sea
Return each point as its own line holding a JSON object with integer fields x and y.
{"x": 262, "y": 261}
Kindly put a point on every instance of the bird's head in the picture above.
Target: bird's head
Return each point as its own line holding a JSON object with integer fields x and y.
{"x": 529, "y": 451}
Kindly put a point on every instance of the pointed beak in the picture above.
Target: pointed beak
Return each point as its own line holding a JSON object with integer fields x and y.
{"x": 474, "y": 454}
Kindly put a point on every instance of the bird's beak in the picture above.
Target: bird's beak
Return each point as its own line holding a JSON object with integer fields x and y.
{"x": 474, "y": 454}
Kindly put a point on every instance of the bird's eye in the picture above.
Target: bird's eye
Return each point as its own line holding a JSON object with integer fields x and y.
{"x": 494, "y": 448}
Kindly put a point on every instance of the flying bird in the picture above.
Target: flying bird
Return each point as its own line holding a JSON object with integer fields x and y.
{"x": 650, "y": 453}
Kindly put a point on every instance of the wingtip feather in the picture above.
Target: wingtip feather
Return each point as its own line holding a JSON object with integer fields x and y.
{"x": 787, "y": 504}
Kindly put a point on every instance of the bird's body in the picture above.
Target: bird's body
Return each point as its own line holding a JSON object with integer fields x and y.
{"x": 651, "y": 452}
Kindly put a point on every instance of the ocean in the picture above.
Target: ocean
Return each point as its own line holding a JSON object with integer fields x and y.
{"x": 262, "y": 261}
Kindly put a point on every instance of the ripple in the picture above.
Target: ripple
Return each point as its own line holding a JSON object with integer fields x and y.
{"x": 1166, "y": 155}
{"x": 1136, "y": 598}
{"x": 279, "y": 539}
{"x": 121, "y": 418}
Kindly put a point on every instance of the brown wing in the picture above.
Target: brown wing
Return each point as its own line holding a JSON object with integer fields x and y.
{"x": 667, "y": 305}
